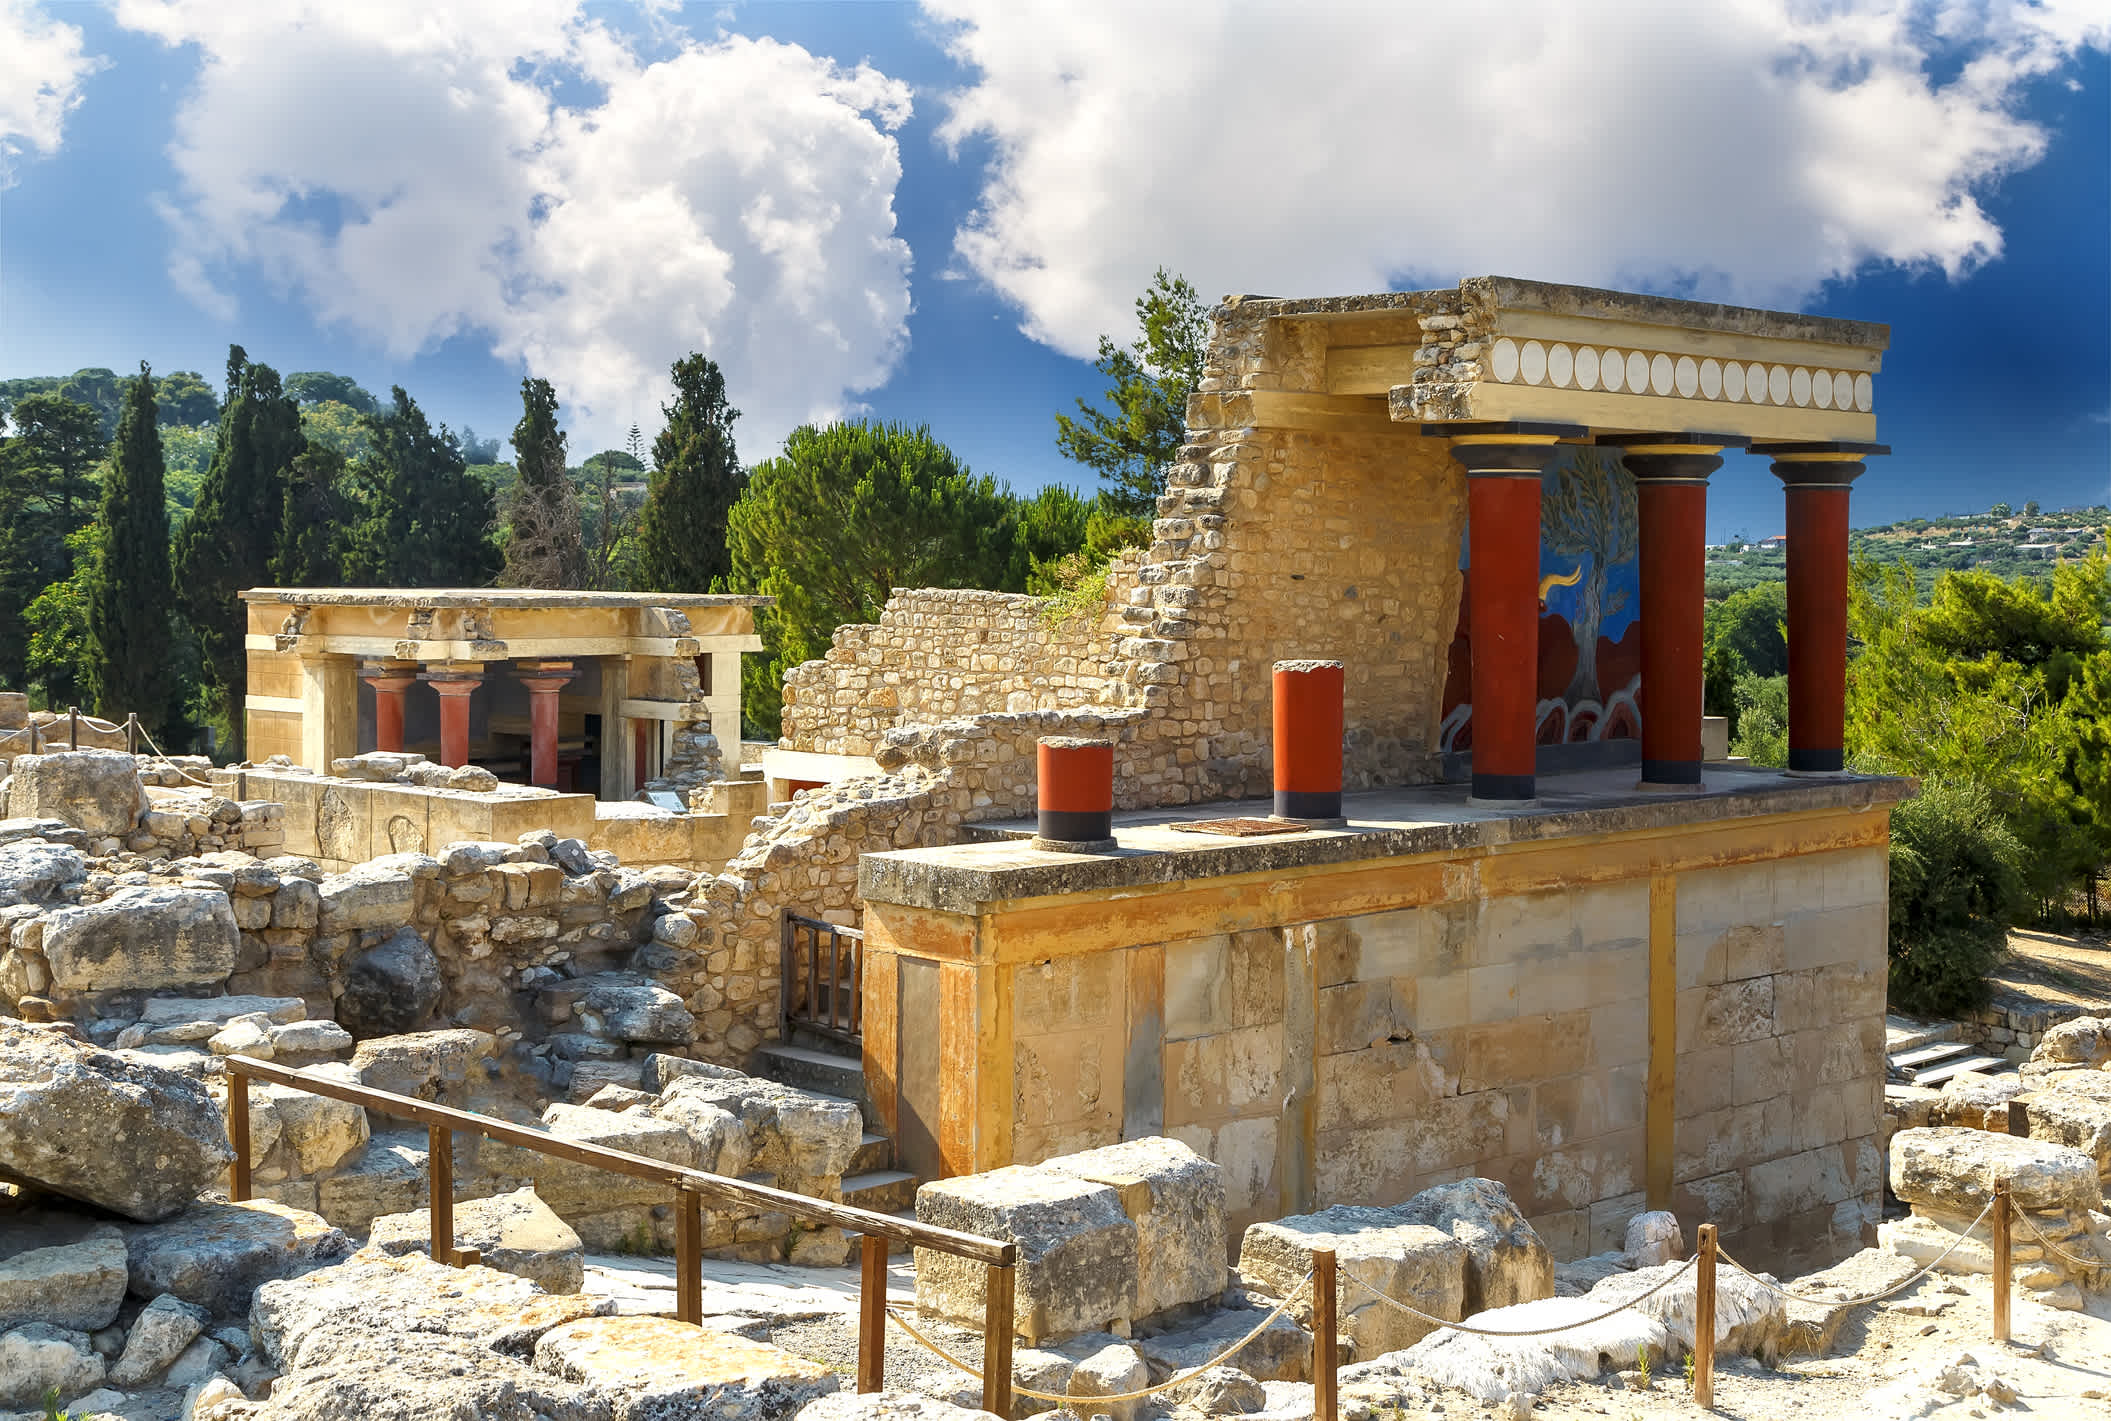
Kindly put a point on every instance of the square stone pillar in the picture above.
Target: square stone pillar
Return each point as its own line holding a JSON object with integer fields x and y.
{"x": 329, "y": 710}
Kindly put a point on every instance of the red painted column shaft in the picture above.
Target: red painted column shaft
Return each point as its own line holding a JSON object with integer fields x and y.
{"x": 1074, "y": 791}
{"x": 1308, "y": 725}
{"x": 1671, "y": 497}
{"x": 454, "y": 692}
{"x": 543, "y": 679}
{"x": 1503, "y": 552}
{"x": 641, "y": 747}
{"x": 389, "y": 690}
{"x": 1817, "y": 628}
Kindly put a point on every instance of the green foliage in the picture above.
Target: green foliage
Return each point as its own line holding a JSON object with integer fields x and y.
{"x": 2000, "y": 510}
{"x": 307, "y": 552}
{"x": 1957, "y": 882}
{"x": 1760, "y": 711}
{"x": 544, "y": 545}
{"x": 696, "y": 481}
{"x": 1720, "y": 668}
{"x": 316, "y": 387}
{"x": 609, "y": 509}
{"x": 334, "y": 424}
{"x": 227, "y": 543}
{"x": 423, "y": 519}
{"x": 185, "y": 399}
{"x": 842, "y": 518}
{"x": 1131, "y": 441}
{"x": 477, "y": 451}
{"x": 1751, "y": 625}
{"x": 56, "y": 627}
{"x": 95, "y": 387}
{"x": 129, "y": 662}
{"x": 186, "y": 453}
{"x": 51, "y": 1406}
{"x": 47, "y": 492}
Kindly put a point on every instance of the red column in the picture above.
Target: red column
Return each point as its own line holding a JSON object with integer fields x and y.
{"x": 1503, "y": 464}
{"x": 454, "y": 689}
{"x": 1671, "y": 497}
{"x": 1308, "y": 719}
{"x": 389, "y": 685}
{"x": 640, "y": 749}
{"x": 543, "y": 678}
{"x": 1074, "y": 793}
{"x": 1817, "y": 478}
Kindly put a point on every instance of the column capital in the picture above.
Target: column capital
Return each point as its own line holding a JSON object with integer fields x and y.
{"x": 1688, "y": 456}
{"x": 1505, "y": 449}
{"x": 1819, "y": 464}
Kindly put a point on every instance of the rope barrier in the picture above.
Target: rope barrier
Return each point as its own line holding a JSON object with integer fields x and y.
{"x": 2037, "y": 1233}
{"x": 1783, "y": 1293}
{"x": 165, "y": 758}
{"x": 1167, "y": 1385}
{"x": 1530, "y": 1332}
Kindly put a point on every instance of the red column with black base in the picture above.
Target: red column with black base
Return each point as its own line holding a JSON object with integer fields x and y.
{"x": 543, "y": 680}
{"x": 1816, "y": 479}
{"x": 454, "y": 689}
{"x": 1075, "y": 794}
{"x": 1503, "y": 464}
{"x": 389, "y": 687}
{"x": 1308, "y": 723}
{"x": 1671, "y": 505}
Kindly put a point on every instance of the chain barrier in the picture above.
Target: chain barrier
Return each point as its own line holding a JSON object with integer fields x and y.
{"x": 1167, "y": 1385}
{"x": 2088, "y": 1263}
{"x": 1788, "y": 1296}
{"x": 1532, "y": 1332}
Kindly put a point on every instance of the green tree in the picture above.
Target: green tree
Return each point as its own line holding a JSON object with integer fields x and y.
{"x": 611, "y": 517}
{"x": 315, "y": 387}
{"x": 1132, "y": 439}
{"x": 1760, "y": 710}
{"x": 696, "y": 480}
{"x": 842, "y": 518}
{"x": 312, "y": 528}
{"x": 186, "y": 453}
{"x": 1957, "y": 882}
{"x": 423, "y": 519}
{"x": 130, "y": 652}
{"x": 55, "y": 625}
{"x": 227, "y": 543}
{"x": 544, "y": 544}
{"x": 1750, "y": 625}
{"x": 336, "y": 425}
{"x": 2000, "y": 510}
{"x": 184, "y": 398}
{"x": 100, "y": 390}
{"x": 47, "y": 492}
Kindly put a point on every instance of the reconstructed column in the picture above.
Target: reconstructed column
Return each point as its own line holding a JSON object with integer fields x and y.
{"x": 1503, "y": 463}
{"x": 1817, "y": 478}
{"x": 543, "y": 679}
{"x": 390, "y": 681}
{"x": 1074, "y": 793}
{"x": 454, "y": 686}
{"x": 1308, "y": 740}
{"x": 1671, "y": 497}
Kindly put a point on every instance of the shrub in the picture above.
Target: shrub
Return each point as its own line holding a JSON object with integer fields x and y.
{"x": 1957, "y": 882}
{"x": 1762, "y": 719}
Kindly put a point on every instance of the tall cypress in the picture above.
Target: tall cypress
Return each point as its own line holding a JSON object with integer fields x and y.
{"x": 130, "y": 651}
{"x": 545, "y": 546}
{"x": 424, "y": 519}
{"x": 228, "y": 541}
{"x": 696, "y": 480}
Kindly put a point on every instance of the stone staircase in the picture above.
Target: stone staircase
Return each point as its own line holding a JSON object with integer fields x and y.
{"x": 825, "y": 1068}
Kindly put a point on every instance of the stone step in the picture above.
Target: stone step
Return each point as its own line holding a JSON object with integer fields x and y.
{"x": 885, "y": 1191}
{"x": 1923, "y": 1057}
{"x": 874, "y": 1152}
{"x": 822, "y": 1072}
{"x": 1936, "y": 1075}
{"x": 1902, "y": 1033}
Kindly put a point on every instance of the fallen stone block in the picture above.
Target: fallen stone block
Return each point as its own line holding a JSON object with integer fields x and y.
{"x": 1374, "y": 1249}
{"x": 1954, "y": 1169}
{"x": 655, "y": 1369}
{"x": 61, "y": 1269}
{"x": 95, "y": 791}
{"x": 217, "y": 1255}
{"x": 164, "y": 1017}
{"x": 791, "y": 1132}
{"x": 887, "y": 1406}
{"x": 625, "y": 1008}
{"x": 723, "y": 1144}
{"x": 1220, "y": 1391}
{"x": 1281, "y": 1353}
{"x": 576, "y": 1190}
{"x": 516, "y": 1233}
{"x": 1113, "y": 1371}
{"x": 663, "y": 1070}
{"x": 322, "y": 1132}
{"x": 2084, "y": 1041}
{"x": 37, "y": 1358}
{"x": 1654, "y": 1238}
{"x": 95, "y": 1126}
{"x": 161, "y": 1333}
{"x": 446, "y": 1067}
{"x": 1812, "y": 1327}
{"x": 392, "y": 987}
{"x": 1506, "y": 1262}
{"x": 144, "y": 938}
{"x": 1175, "y": 1198}
{"x": 2074, "y": 1118}
{"x": 36, "y": 872}
{"x": 1494, "y": 1368}
{"x": 1077, "y": 1251}
{"x": 387, "y": 1177}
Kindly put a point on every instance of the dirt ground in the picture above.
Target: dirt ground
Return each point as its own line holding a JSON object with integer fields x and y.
{"x": 2057, "y": 967}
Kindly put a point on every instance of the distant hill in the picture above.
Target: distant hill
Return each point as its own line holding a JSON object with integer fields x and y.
{"x": 2005, "y": 543}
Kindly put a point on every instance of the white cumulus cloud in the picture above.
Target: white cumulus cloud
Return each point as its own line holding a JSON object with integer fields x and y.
{"x": 1743, "y": 150}
{"x": 42, "y": 64}
{"x": 513, "y": 170}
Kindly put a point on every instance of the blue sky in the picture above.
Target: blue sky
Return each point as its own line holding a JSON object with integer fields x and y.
{"x": 928, "y": 212}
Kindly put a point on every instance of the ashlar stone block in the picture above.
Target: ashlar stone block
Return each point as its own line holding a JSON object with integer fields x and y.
{"x": 1373, "y": 1249}
{"x": 1175, "y": 1198}
{"x": 1077, "y": 1269}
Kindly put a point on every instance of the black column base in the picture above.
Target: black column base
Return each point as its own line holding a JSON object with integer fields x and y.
{"x": 1516, "y": 789}
{"x": 1308, "y": 804}
{"x": 1074, "y": 826}
{"x": 1816, "y": 762}
{"x": 1671, "y": 772}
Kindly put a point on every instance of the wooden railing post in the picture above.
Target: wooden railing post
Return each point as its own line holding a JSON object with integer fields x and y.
{"x": 439, "y": 1175}
{"x": 688, "y": 1258}
{"x": 73, "y": 727}
{"x": 1326, "y": 1359}
{"x": 872, "y": 1313}
{"x": 238, "y": 1132}
{"x": 131, "y": 732}
{"x": 2003, "y": 1267}
{"x": 997, "y": 1342}
{"x": 1704, "y": 1319}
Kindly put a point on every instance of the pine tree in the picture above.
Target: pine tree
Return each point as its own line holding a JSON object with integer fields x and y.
{"x": 228, "y": 541}
{"x": 696, "y": 480}
{"x": 47, "y": 493}
{"x": 129, "y": 593}
{"x": 545, "y": 546}
{"x": 424, "y": 520}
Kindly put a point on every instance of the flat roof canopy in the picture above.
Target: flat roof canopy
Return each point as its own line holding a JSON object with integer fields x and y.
{"x": 519, "y": 597}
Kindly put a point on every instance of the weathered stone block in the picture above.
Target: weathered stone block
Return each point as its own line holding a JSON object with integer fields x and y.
{"x": 1411, "y": 1262}
{"x": 215, "y": 1255}
{"x": 1176, "y": 1200}
{"x": 36, "y": 1358}
{"x": 60, "y": 1269}
{"x": 1506, "y": 1261}
{"x": 1077, "y": 1251}
{"x": 142, "y": 938}
{"x": 1952, "y": 1169}
{"x": 95, "y": 791}
{"x": 516, "y": 1233}
{"x": 392, "y": 987}
{"x": 656, "y": 1369}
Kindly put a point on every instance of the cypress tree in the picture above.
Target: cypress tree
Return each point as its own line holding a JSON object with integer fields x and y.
{"x": 130, "y": 650}
{"x": 228, "y": 541}
{"x": 696, "y": 480}
{"x": 307, "y": 550}
{"x": 425, "y": 520}
{"x": 545, "y": 546}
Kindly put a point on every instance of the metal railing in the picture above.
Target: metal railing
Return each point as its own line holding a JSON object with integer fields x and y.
{"x": 691, "y": 1188}
{"x": 824, "y": 985}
